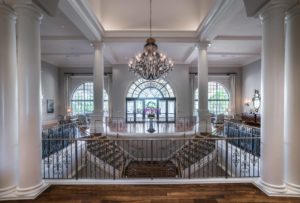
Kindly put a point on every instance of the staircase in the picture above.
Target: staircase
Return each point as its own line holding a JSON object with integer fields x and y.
{"x": 107, "y": 155}
{"x": 151, "y": 169}
{"x": 192, "y": 152}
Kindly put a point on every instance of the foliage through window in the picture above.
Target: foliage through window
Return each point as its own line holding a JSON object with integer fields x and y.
{"x": 218, "y": 98}
{"x": 157, "y": 93}
{"x": 82, "y": 101}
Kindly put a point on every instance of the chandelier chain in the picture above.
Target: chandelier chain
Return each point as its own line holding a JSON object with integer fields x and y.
{"x": 150, "y": 64}
{"x": 150, "y": 18}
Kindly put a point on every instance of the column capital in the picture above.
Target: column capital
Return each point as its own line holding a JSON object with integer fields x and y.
{"x": 284, "y": 5}
{"x": 97, "y": 45}
{"x": 203, "y": 45}
{"x": 294, "y": 11}
{"x": 26, "y": 8}
{"x": 6, "y": 11}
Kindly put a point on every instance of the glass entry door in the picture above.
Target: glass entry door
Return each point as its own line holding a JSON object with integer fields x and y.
{"x": 162, "y": 114}
{"x": 137, "y": 109}
{"x": 130, "y": 111}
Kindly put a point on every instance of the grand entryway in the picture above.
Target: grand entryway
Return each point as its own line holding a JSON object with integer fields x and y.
{"x": 150, "y": 97}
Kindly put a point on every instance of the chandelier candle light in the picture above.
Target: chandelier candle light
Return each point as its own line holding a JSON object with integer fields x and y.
{"x": 150, "y": 64}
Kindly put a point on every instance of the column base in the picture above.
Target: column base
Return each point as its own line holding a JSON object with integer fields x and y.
{"x": 286, "y": 190}
{"x": 269, "y": 189}
{"x": 97, "y": 122}
{"x": 7, "y": 190}
{"x": 204, "y": 122}
{"x": 25, "y": 193}
{"x": 293, "y": 188}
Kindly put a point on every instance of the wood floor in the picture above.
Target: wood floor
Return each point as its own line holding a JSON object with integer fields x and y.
{"x": 207, "y": 193}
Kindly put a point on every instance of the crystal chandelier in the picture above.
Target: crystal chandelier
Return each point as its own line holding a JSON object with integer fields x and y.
{"x": 150, "y": 64}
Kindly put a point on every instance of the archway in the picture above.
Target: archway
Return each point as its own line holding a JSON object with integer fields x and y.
{"x": 156, "y": 95}
{"x": 82, "y": 101}
{"x": 218, "y": 98}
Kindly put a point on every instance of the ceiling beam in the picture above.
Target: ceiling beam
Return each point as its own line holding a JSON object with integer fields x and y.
{"x": 215, "y": 21}
{"x": 110, "y": 55}
{"x": 233, "y": 53}
{"x": 67, "y": 54}
{"x": 143, "y": 39}
{"x": 80, "y": 38}
{"x": 80, "y": 14}
{"x": 189, "y": 56}
{"x": 238, "y": 38}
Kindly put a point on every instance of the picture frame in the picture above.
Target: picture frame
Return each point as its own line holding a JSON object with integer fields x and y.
{"x": 50, "y": 106}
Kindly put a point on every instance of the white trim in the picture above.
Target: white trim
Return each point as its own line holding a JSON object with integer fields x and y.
{"x": 275, "y": 190}
{"x": 26, "y": 193}
{"x": 7, "y": 190}
{"x": 293, "y": 187}
{"x": 83, "y": 18}
{"x": 208, "y": 31}
{"x": 151, "y": 181}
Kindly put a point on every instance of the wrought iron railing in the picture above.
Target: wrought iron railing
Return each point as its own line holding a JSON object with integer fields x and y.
{"x": 65, "y": 132}
{"x": 101, "y": 157}
{"x": 240, "y": 130}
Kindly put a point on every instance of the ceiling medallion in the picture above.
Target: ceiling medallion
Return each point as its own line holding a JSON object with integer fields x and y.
{"x": 150, "y": 64}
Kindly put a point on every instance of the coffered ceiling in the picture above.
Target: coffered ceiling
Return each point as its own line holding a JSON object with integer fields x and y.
{"x": 180, "y": 15}
{"x": 123, "y": 27}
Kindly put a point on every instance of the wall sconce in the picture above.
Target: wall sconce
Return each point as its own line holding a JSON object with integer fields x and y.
{"x": 69, "y": 110}
{"x": 247, "y": 102}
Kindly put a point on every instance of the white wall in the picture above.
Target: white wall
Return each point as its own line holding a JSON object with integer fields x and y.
{"x": 251, "y": 75}
{"x": 50, "y": 90}
{"x": 178, "y": 79}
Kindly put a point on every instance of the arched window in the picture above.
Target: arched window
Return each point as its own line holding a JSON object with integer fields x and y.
{"x": 82, "y": 101}
{"x": 157, "y": 93}
{"x": 218, "y": 98}
{"x": 150, "y": 89}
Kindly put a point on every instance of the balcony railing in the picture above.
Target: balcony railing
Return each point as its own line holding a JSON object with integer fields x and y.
{"x": 101, "y": 157}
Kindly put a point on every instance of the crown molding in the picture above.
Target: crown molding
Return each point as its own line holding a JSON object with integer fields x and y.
{"x": 238, "y": 38}
{"x": 145, "y": 34}
{"x": 208, "y": 30}
{"x": 63, "y": 38}
{"x": 209, "y": 17}
{"x": 234, "y": 53}
{"x": 67, "y": 54}
{"x": 83, "y": 18}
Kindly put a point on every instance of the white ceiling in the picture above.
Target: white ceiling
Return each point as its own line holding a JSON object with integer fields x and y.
{"x": 166, "y": 14}
{"x": 237, "y": 40}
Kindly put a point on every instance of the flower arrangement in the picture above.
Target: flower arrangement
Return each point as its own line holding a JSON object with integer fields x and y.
{"x": 151, "y": 112}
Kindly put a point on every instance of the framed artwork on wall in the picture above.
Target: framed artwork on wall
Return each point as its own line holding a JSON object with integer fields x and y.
{"x": 50, "y": 106}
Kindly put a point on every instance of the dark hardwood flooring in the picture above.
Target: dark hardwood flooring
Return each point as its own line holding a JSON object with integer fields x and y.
{"x": 206, "y": 193}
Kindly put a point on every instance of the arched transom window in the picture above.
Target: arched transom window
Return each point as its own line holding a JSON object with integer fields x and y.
{"x": 150, "y": 89}
{"x": 82, "y": 101}
{"x": 218, "y": 98}
{"x": 145, "y": 93}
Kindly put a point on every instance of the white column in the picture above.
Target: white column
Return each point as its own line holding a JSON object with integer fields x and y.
{"x": 109, "y": 95}
{"x": 29, "y": 97}
{"x": 272, "y": 164}
{"x": 8, "y": 101}
{"x": 204, "y": 116}
{"x": 98, "y": 74}
{"x": 292, "y": 100}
